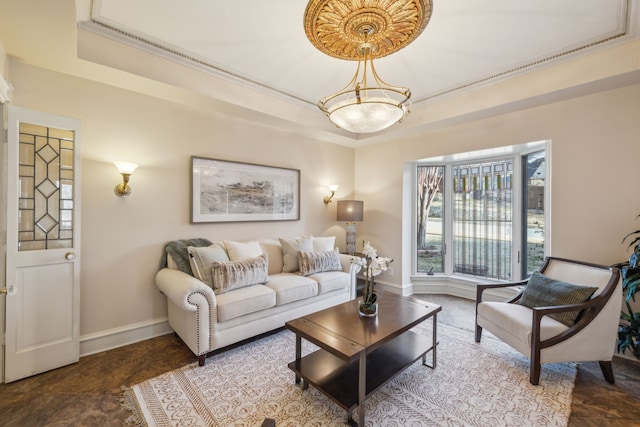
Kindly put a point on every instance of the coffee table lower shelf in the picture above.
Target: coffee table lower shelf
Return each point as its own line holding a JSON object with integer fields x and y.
{"x": 338, "y": 379}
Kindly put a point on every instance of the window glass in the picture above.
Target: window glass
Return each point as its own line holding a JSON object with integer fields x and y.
{"x": 430, "y": 215}
{"x": 483, "y": 218}
{"x": 533, "y": 210}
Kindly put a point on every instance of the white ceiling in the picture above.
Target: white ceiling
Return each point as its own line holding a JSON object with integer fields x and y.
{"x": 465, "y": 41}
{"x": 253, "y": 56}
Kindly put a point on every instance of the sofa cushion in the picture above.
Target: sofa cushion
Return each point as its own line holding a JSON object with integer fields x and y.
{"x": 229, "y": 275}
{"x": 542, "y": 291}
{"x": 242, "y": 250}
{"x": 244, "y": 300}
{"x": 317, "y": 262}
{"x": 290, "y": 249}
{"x": 291, "y": 287}
{"x": 324, "y": 243}
{"x": 273, "y": 250}
{"x": 201, "y": 259}
{"x": 330, "y": 281}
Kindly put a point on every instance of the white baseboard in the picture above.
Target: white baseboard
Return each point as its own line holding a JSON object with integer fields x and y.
{"x": 446, "y": 286}
{"x": 119, "y": 337}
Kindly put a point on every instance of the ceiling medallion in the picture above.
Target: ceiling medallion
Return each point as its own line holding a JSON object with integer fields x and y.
{"x": 337, "y": 27}
{"x": 363, "y": 30}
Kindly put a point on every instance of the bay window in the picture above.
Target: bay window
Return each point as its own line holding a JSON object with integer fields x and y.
{"x": 483, "y": 216}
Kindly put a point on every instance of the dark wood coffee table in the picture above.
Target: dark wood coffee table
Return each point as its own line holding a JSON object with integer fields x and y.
{"x": 358, "y": 355}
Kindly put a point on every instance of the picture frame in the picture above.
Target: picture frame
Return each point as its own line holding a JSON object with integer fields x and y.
{"x": 228, "y": 191}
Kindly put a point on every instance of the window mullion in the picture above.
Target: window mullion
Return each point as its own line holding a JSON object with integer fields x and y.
{"x": 448, "y": 220}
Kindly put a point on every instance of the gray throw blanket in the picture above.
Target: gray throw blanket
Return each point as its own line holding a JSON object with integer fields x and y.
{"x": 178, "y": 251}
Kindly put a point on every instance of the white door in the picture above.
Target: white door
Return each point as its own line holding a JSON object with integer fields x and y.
{"x": 43, "y": 243}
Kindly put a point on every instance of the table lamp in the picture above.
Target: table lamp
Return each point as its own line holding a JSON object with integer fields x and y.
{"x": 350, "y": 211}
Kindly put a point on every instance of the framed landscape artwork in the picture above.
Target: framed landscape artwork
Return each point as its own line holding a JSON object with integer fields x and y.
{"x": 225, "y": 191}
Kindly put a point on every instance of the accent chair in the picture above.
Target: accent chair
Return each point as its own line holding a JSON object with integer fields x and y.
{"x": 567, "y": 312}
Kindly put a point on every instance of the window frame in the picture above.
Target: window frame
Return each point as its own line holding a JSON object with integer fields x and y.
{"x": 515, "y": 153}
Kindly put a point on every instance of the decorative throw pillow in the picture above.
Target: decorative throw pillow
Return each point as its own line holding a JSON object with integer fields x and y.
{"x": 201, "y": 258}
{"x": 321, "y": 244}
{"x": 542, "y": 291}
{"x": 290, "y": 249}
{"x": 242, "y": 250}
{"x": 318, "y": 262}
{"x": 231, "y": 275}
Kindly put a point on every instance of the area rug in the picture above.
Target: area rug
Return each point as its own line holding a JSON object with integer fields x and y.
{"x": 485, "y": 384}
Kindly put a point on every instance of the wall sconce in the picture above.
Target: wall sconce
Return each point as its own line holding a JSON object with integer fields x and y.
{"x": 333, "y": 188}
{"x": 350, "y": 211}
{"x": 126, "y": 169}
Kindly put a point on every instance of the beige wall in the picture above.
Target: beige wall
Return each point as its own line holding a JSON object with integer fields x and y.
{"x": 594, "y": 200}
{"x": 123, "y": 239}
{"x": 594, "y": 167}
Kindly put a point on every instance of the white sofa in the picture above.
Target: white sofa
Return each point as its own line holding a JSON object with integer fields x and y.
{"x": 207, "y": 320}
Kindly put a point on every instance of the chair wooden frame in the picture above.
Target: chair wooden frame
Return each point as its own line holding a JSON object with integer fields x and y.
{"x": 589, "y": 310}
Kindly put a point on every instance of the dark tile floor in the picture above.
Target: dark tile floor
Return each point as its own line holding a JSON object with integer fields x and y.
{"x": 88, "y": 392}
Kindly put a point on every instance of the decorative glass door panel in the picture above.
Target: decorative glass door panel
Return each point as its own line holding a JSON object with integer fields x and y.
{"x": 46, "y": 174}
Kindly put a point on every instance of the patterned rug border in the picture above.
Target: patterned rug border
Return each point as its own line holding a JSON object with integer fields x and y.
{"x": 132, "y": 396}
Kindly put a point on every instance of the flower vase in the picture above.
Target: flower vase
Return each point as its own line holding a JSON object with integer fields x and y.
{"x": 367, "y": 310}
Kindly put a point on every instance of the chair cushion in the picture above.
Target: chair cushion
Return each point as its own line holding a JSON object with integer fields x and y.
{"x": 317, "y": 262}
{"x": 244, "y": 300}
{"x": 291, "y": 287}
{"x": 201, "y": 259}
{"x": 542, "y": 291}
{"x": 231, "y": 275}
{"x": 290, "y": 249}
{"x": 512, "y": 323}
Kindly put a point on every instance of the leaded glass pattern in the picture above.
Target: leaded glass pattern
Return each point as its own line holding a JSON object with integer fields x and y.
{"x": 46, "y": 180}
{"x": 483, "y": 218}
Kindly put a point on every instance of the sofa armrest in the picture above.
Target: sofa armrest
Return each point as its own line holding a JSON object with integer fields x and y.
{"x": 179, "y": 286}
{"x": 352, "y": 269}
{"x": 192, "y": 309}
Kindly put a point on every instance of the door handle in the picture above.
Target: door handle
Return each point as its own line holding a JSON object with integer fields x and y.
{"x": 11, "y": 290}
{"x": 70, "y": 256}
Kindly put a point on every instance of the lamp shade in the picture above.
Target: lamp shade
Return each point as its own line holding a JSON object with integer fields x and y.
{"x": 350, "y": 210}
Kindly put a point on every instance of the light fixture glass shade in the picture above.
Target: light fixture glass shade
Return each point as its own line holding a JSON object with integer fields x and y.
{"x": 361, "y": 108}
{"x": 372, "y": 114}
{"x": 126, "y": 167}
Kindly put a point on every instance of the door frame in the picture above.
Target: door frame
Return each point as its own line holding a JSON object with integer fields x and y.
{"x": 3, "y": 225}
{"x": 10, "y": 223}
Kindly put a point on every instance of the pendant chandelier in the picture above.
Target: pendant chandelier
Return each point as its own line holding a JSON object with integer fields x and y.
{"x": 364, "y": 30}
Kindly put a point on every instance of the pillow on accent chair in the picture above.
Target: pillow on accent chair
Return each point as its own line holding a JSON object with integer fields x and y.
{"x": 201, "y": 258}
{"x": 242, "y": 250}
{"x": 542, "y": 291}
{"x": 290, "y": 249}
{"x": 318, "y": 262}
{"x": 231, "y": 275}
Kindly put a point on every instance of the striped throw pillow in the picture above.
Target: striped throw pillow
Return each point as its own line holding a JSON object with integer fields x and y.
{"x": 542, "y": 291}
{"x": 231, "y": 275}
{"x": 318, "y": 262}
